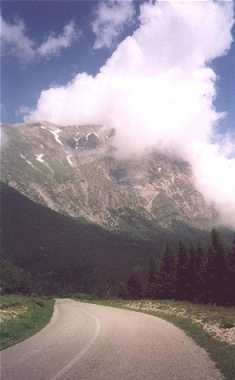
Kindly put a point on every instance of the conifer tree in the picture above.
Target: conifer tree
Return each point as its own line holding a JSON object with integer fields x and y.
{"x": 195, "y": 273}
{"x": 191, "y": 275}
{"x": 134, "y": 286}
{"x": 168, "y": 274}
{"x": 122, "y": 291}
{"x": 221, "y": 270}
{"x": 199, "y": 273}
{"x": 216, "y": 280}
{"x": 182, "y": 273}
{"x": 210, "y": 276}
{"x": 152, "y": 288}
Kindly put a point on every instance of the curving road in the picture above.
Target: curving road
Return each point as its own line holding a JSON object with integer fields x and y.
{"x": 90, "y": 342}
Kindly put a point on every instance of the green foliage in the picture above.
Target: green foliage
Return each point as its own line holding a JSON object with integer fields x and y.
{"x": 24, "y": 316}
{"x": 153, "y": 282}
{"x": 122, "y": 291}
{"x": 192, "y": 274}
{"x": 13, "y": 279}
{"x": 216, "y": 271}
{"x": 168, "y": 274}
{"x": 182, "y": 279}
{"x": 134, "y": 286}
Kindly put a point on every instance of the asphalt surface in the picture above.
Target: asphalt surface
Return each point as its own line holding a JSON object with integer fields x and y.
{"x": 91, "y": 342}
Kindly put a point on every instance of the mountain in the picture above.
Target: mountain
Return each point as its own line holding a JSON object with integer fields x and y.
{"x": 74, "y": 170}
{"x": 74, "y": 217}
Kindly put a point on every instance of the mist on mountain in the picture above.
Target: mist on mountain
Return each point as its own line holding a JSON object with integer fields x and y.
{"x": 157, "y": 89}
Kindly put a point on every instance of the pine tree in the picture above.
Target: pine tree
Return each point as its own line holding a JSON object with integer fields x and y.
{"x": 182, "y": 273}
{"x": 191, "y": 275}
{"x": 168, "y": 274}
{"x": 216, "y": 272}
{"x": 221, "y": 291}
{"x": 134, "y": 286}
{"x": 199, "y": 273}
{"x": 210, "y": 276}
{"x": 152, "y": 288}
{"x": 122, "y": 291}
{"x": 195, "y": 273}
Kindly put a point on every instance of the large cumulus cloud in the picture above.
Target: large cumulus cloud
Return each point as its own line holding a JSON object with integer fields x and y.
{"x": 157, "y": 89}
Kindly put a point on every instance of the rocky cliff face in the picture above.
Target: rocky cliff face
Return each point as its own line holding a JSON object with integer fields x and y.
{"x": 73, "y": 170}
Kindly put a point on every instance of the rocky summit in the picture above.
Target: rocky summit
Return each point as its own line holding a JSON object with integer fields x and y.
{"x": 75, "y": 171}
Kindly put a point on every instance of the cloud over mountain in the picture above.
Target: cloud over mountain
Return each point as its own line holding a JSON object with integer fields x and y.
{"x": 158, "y": 89}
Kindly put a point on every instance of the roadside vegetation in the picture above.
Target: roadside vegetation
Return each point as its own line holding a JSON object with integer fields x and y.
{"x": 22, "y": 316}
{"x": 211, "y": 327}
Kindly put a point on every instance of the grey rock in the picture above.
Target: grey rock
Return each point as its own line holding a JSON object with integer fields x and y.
{"x": 74, "y": 170}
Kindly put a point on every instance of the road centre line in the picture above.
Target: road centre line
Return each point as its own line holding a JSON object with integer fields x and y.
{"x": 76, "y": 359}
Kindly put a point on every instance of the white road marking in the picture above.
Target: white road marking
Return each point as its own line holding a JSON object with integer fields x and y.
{"x": 78, "y": 357}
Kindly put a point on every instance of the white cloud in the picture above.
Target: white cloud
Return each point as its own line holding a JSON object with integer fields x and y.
{"x": 158, "y": 90}
{"x": 53, "y": 44}
{"x": 110, "y": 19}
{"x": 16, "y": 42}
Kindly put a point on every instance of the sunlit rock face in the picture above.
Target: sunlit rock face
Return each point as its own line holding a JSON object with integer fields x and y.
{"x": 75, "y": 171}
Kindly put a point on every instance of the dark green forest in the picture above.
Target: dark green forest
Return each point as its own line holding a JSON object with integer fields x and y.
{"x": 48, "y": 253}
{"x": 190, "y": 274}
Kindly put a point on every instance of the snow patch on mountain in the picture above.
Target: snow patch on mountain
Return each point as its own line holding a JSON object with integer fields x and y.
{"x": 55, "y": 134}
{"x": 24, "y": 158}
{"x": 39, "y": 157}
{"x": 92, "y": 134}
{"x": 68, "y": 157}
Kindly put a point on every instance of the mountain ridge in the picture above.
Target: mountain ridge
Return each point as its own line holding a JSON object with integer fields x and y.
{"x": 74, "y": 171}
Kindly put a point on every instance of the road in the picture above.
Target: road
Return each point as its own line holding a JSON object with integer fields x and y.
{"x": 91, "y": 342}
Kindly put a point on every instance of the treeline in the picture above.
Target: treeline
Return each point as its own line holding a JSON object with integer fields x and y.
{"x": 192, "y": 274}
{"x": 60, "y": 281}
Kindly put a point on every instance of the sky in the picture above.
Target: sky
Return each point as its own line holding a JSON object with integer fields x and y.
{"x": 160, "y": 72}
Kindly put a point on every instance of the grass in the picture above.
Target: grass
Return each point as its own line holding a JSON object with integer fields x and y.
{"x": 211, "y": 327}
{"x": 22, "y": 316}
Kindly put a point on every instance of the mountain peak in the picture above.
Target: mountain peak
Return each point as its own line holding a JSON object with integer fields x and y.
{"x": 74, "y": 170}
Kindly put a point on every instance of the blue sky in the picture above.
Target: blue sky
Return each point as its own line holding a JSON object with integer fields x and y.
{"x": 22, "y": 82}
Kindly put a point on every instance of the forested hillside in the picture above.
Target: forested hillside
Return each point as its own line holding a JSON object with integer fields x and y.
{"x": 49, "y": 253}
{"x": 193, "y": 274}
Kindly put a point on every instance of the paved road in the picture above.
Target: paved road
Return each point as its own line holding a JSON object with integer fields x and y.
{"x": 90, "y": 342}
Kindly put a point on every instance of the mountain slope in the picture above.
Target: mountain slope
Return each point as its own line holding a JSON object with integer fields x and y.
{"x": 64, "y": 254}
{"x": 74, "y": 170}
